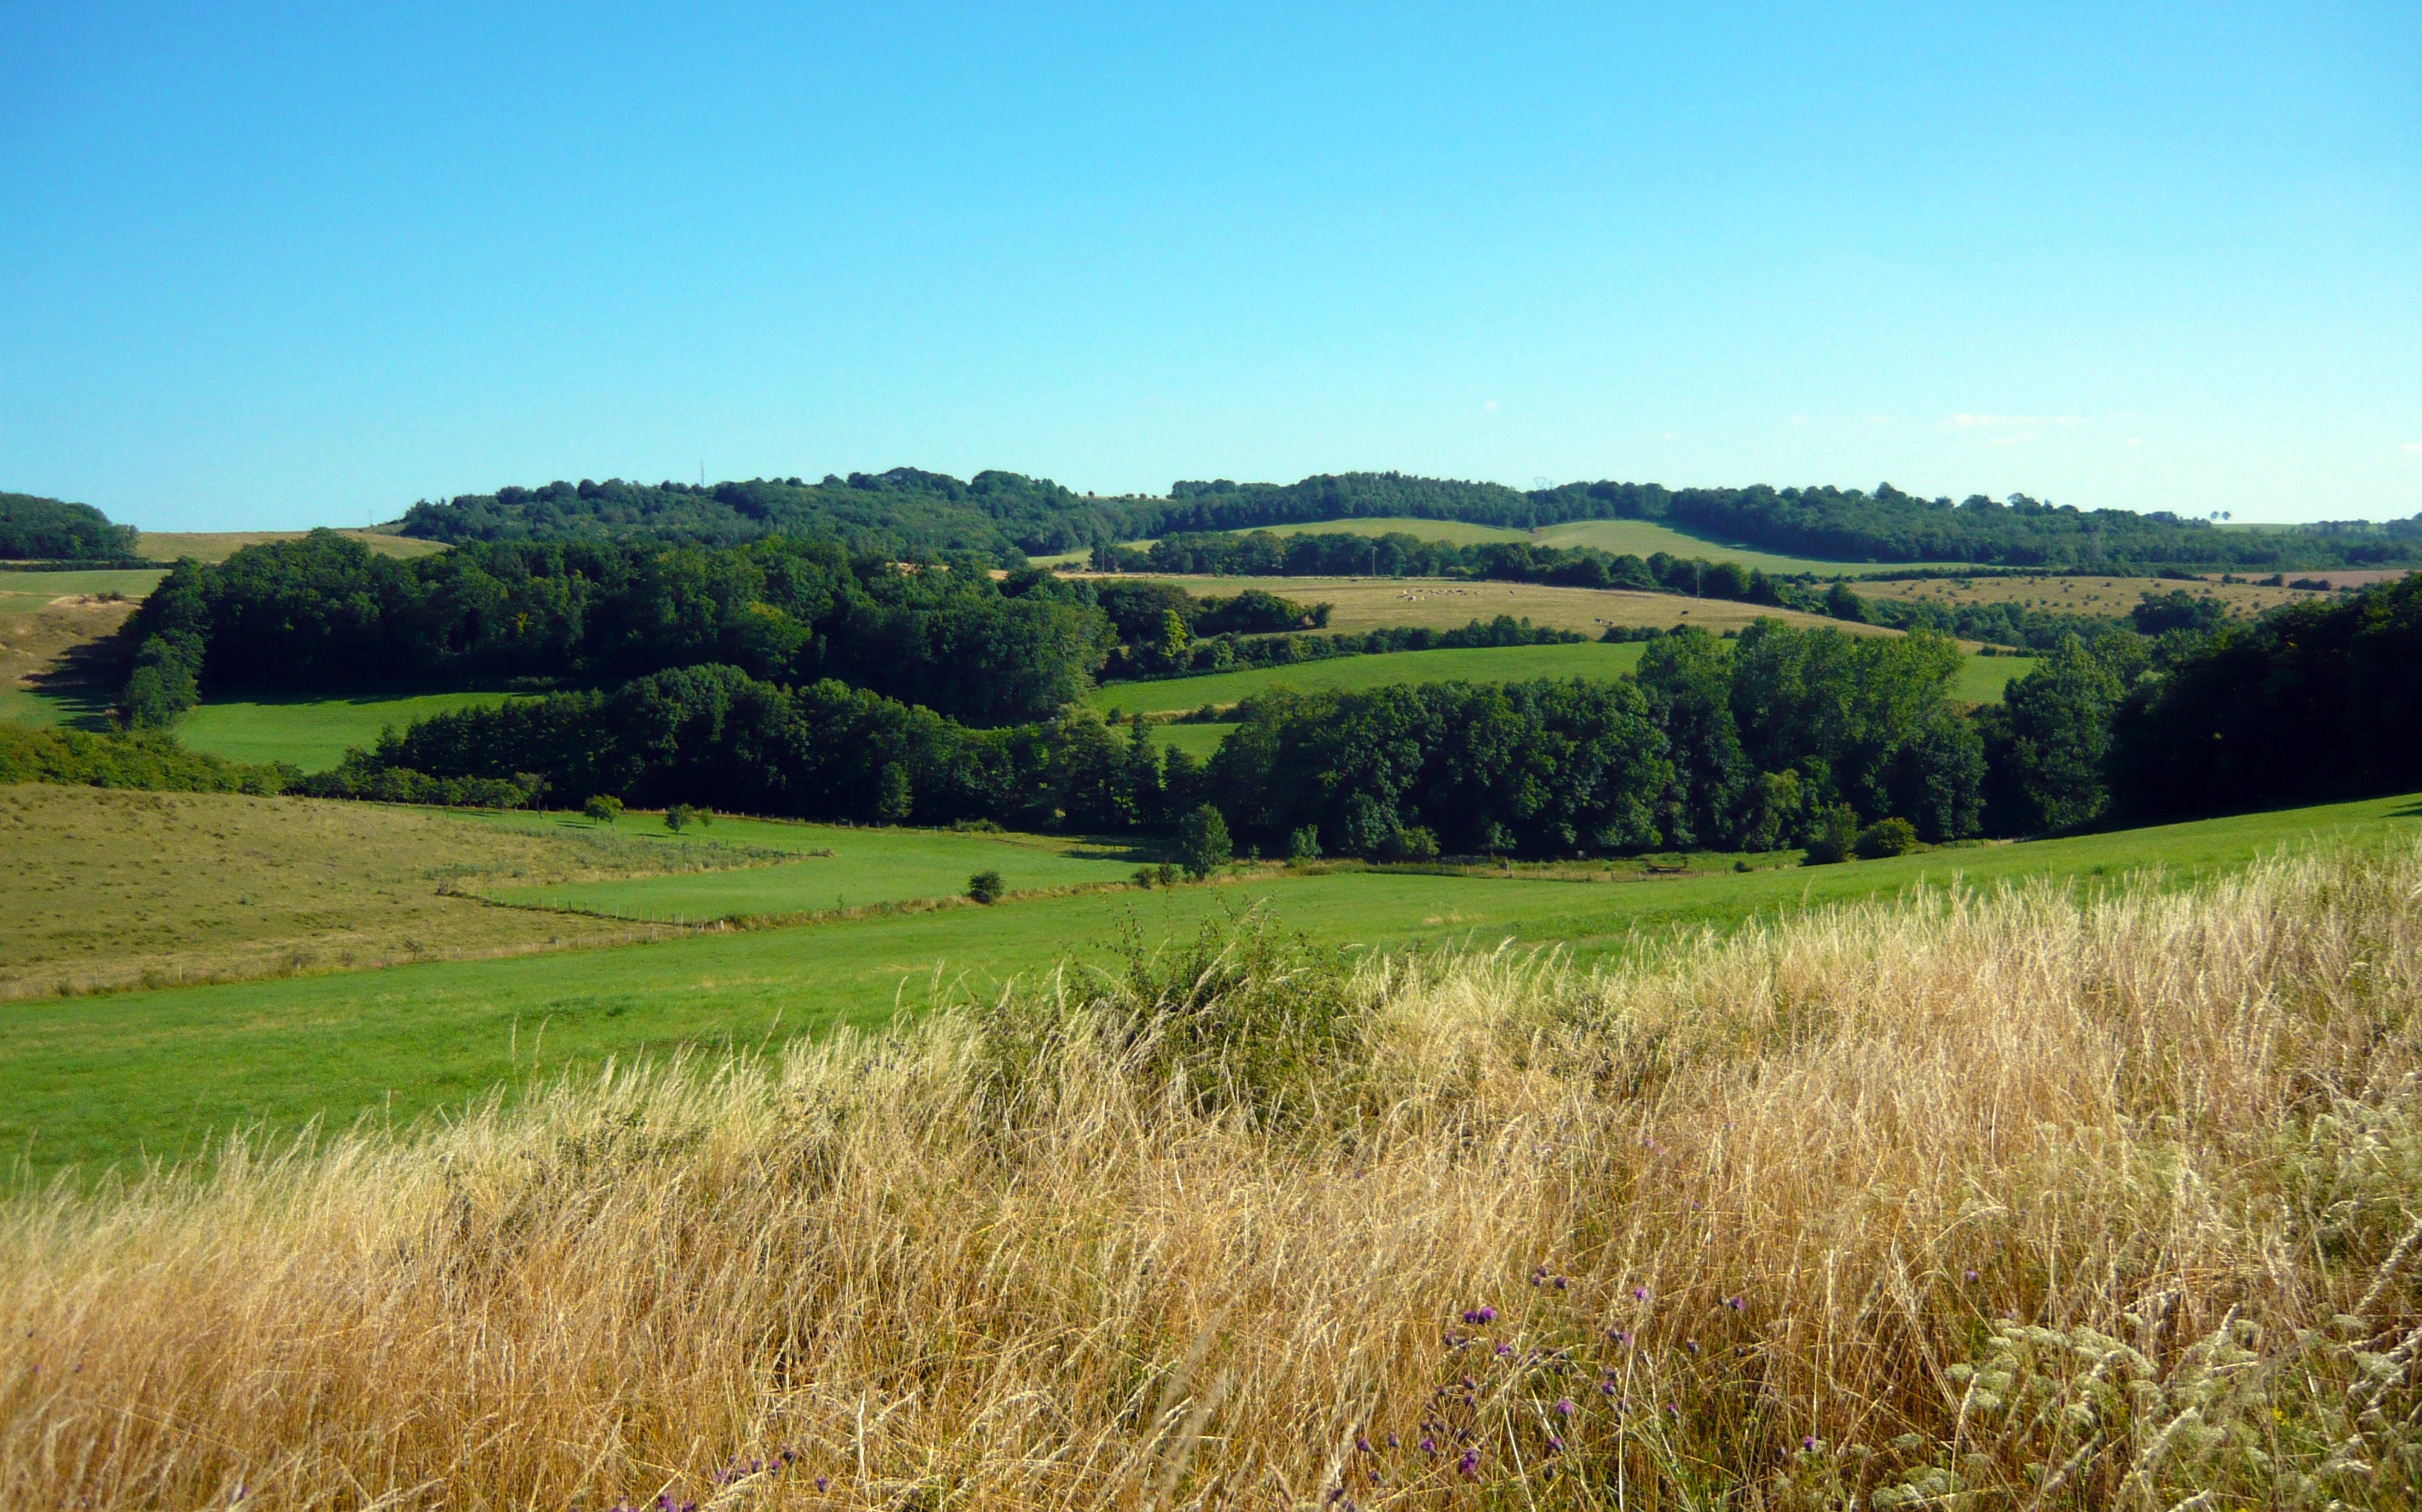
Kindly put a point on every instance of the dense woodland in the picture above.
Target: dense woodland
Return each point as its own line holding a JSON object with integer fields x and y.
{"x": 797, "y": 678}
{"x": 1785, "y": 736}
{"x": 33, "y": 528}
{"x": 1004, "y": 515}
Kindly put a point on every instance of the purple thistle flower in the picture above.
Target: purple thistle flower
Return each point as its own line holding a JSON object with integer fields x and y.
{"x": 1392, "y": 1441}
{"x": 1692, "y": 1345}
{"x": 823, "y": 1481}
{"x": 1809, "y": 1443}
{"x": 1606, "y": 1387}
{"x": 1429, "y": 1446}
{"x": 1469, "y": 1463}
{"x": 1504, "y": 1351}
{"x": 1736, "y": 1304}
{"x": 1555, "y": 1445}
{"x": 1972, "y": 1275}
{"x": 1361, "y": 1443}
{"x": 1564, "y": 1406}
{"x": 1560, "y": 1283}
{"x": 1640, "y": 1294}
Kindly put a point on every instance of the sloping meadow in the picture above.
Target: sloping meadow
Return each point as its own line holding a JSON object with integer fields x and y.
{"x": 1972, "y": 1200}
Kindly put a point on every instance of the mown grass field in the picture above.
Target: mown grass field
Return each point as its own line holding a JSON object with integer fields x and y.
{"x": 94, "y": 1079}
{"x": 311, "y": 732}
{"x": 218, "y": 545}
{"x": 866, "y": 867}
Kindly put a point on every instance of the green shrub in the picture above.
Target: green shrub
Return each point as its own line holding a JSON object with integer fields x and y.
{"x": 1833, "y": 835}
{"x": 604, "y": 808}
{"x": 1202, "y": 842}
{"x": 141, "y": 759}
{"x": 1413, "y": 843}
{"x": 1144, "y": 878}
{"x": 1304, "y": 844}
{"x": 986, "y": 887}
{"x": 681, "y": 816}
{"x": 1167, "y": 871}
{"x": 1886, "y": 837}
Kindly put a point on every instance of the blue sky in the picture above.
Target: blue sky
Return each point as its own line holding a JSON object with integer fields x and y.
{"x": 269, "y": 267}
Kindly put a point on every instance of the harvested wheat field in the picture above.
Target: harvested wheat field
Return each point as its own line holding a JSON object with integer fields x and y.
{"x": 1975, "y": 1200}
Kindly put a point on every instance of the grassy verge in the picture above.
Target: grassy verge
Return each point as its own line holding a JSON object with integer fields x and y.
{"x": 94, "y": 1079}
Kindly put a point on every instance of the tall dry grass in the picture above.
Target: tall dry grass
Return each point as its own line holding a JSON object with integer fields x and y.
{"x": 1995, "y": 1200}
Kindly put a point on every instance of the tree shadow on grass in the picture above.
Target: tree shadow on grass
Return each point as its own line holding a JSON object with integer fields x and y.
{"x": 82, "y": 682}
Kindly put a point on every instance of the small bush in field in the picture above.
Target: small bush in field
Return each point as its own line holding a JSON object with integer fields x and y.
{"x": 985, "y": 887}
{"x": 1833, "y": 836}
{"x": 1886, "y": 837}
{"x": 683, "y": 815}
{"x": 604, "y": 808}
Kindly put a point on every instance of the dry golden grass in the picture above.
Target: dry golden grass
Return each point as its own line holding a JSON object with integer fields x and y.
{"x": 1378, "y": 603}
{"x": 1879, "y": 1207}
{"x": 218, "y": 545}
{"x": 2109, "y": 596}
{"x": 115, "y": 889}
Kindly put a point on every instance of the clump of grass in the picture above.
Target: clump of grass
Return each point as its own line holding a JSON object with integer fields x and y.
{"x": 1976, "y": 1200}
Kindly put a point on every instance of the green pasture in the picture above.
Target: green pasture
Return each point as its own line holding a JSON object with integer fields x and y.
{"x": 1981, "y": 679}
{"x": 23, "y": 592}
{"x": 97, "y": 1079}
{"x": 1985, "y": 679}
{"x": 868, "y": 866}
{"x": 311, "y": 732}
{"x": 1642, "y": 537}
{"x": 1486, "y": 663}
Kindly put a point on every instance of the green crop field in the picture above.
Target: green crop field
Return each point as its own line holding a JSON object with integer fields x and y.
{"x": 310, "y": 732}
{"x": 868, "y": 866}
{"x": 95, "y": 1080}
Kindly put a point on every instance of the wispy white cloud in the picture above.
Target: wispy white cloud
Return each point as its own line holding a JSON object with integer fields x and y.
{"x": 1800, "y": 419}
{"x": 1879, "y": 419}
{"x": 1490, "y": 406}
{"x": 2007, "y": 422}
{"x": 2411, "y": 446}
{"x": 2011, "y": 440}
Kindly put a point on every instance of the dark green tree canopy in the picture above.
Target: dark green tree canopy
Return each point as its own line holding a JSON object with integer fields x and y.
{"x": 33, "y": 528}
